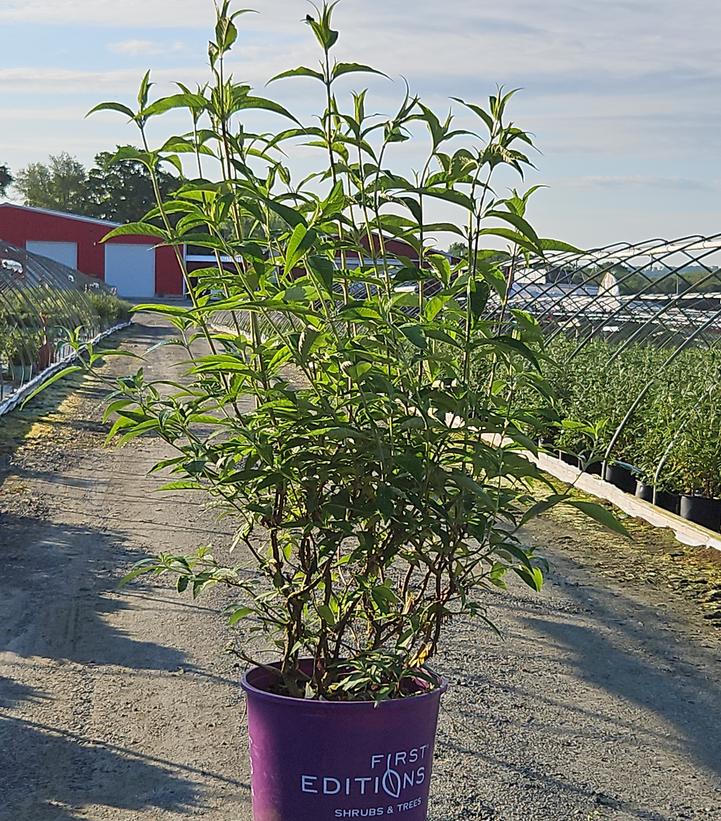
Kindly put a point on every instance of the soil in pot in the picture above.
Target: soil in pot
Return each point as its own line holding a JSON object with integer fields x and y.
{"x": 321, "y": 760}
{"x": 702, "y": 510}
{"x": 620, "y": 475}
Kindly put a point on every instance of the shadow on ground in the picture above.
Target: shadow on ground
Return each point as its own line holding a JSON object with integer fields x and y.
{"x": 49, "y": 772}
{"x": 581, "y": 682}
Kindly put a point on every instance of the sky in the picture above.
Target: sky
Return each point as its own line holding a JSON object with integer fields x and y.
{"x": 623, "y": 97}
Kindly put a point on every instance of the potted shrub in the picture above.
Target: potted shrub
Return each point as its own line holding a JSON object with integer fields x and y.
{"x": 46, "y": 351}
{"x": 22, "y": 350}
{"x": 376, "y": 484}
{"x": 698, "y": 456}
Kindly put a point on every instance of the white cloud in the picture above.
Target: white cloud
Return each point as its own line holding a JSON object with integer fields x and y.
{"x": 142, "y": 13}
{"x": 70, "y": 81}
{"x": 143, "y": 48}
{"x": 627, "y": 181}
{"x": 622, "y": 94}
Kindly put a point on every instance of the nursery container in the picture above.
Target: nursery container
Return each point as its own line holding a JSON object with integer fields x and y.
{"x": 644, "y": 491}
{"x": 21, "y": 373}
{"x": 702, "y": 511}
{"x": 46, "y": 353}
{"x": 667, "y": 500}
{"x": 569, "y": 458}
{"x": 620, "y": 475}
{"x": 321, "y": 760}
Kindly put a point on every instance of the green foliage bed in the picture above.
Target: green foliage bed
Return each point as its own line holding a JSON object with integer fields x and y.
{"x": 677, "y": 418}
{"x": 32, "y": 317}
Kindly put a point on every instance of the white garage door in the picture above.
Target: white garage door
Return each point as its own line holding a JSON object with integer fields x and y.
{"x": 130, "y": 269}
{"x": 65, "y": 252}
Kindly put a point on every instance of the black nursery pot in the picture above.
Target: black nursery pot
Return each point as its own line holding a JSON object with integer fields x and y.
{"x": 593, "y": 468}
{"x": 569, "y": 458}
{"x": 620, "y": 476}
{"x": 644, "y": 491}
{"x": 702, "y": 511}
{"x": 668, "y": 501}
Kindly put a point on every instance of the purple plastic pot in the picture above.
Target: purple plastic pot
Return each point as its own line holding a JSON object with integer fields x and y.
{"x": 323, "y": 760}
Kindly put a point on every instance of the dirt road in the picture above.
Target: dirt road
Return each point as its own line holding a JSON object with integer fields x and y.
{"x": 602, "y": 699}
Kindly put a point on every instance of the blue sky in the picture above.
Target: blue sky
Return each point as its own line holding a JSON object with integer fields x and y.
{"x": 623, "y": 96}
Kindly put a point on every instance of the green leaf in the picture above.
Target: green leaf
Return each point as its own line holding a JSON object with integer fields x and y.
{"x": 326, "y": 614}
{"x": 290, "y": 215}
{"x": 416, "y": 335}
{"x": 301, "y": 239}
{"x": 54, "y": 378}
{"x": 542, "y": 506}
{"x": 239, "y": 614}
{"x": 182, "y": 484}
{"x": 168, "y": 310}
{"x": 244, "y": 103}
{"x": 558, "y": 245}
{"x": 145, "y": 86}
{"x": 136, "y": 228}
{"x": 600, "y": 514}
{"x": 353, "y": 68}
{"x": 324, "y": 269}
{"x": 123, "y": 109}
{"x": 480, "y": 291}
{"x": 532, "y": 576}
{"x": 518, "y": 223}
{"x": 478, "y": 111}
{"x": 301, "y": 71}
{"x": 451, "y": 195}
{"x": 384, "y": 597}
{"x": 139, "y": 569}
{"x": 194, "y": 102}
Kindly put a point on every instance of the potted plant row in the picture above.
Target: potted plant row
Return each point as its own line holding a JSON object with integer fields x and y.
{"x": 669, "y": 450}
{"x": 34, "y": 320}
{"x": 374, "y": 481}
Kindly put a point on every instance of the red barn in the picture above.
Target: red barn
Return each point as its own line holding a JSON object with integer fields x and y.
{"x": 135, "y": 265}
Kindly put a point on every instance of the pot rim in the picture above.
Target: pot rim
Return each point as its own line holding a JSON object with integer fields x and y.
{"x": 258, "y": 693}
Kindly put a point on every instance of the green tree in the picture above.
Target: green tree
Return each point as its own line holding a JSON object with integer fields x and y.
{"x": 59, "y": 184}
{"x": 123, "y": 192}
{"x": 6, "y": 179}
{"x": 459, "y": 250}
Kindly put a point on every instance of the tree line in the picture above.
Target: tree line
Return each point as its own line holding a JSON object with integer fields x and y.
{"x": 120, "y": 192}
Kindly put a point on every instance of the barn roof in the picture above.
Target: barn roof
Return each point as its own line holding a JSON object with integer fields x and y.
{"x": 63, "y": 214}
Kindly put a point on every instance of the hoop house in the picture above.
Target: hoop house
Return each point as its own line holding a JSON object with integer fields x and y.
{"x": 41, "y": 302}
{"x": 633, "y": 334}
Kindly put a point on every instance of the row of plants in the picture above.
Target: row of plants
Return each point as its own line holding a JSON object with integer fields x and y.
{"x": 36, "y": 323}
{"x": 653, "y": 412}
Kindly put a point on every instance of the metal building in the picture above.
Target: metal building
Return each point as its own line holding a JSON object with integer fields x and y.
{"x": 134, "y": 265}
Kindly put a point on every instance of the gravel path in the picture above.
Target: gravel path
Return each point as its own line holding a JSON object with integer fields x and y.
{"x": 601, "y": 700}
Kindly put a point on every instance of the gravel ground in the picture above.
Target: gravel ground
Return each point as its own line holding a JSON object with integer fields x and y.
{"x": 600, "y": 700}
